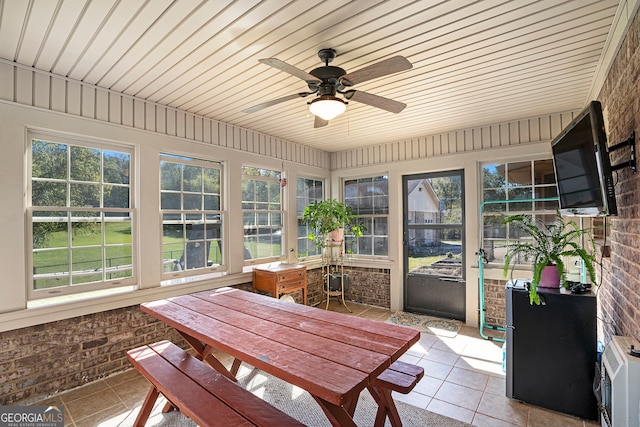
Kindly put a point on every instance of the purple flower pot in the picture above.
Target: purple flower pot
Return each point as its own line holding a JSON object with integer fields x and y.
{"x": 549, "y": 277}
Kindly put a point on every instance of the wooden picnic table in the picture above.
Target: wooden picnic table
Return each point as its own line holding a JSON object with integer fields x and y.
{"x": 331, "y": 355}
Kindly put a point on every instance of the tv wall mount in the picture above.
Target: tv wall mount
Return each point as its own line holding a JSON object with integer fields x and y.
{"x": 629, "y": 142}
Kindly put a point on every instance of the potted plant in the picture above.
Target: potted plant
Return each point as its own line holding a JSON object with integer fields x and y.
{"x": 328, "y": 220}
{"x": 549, "y": 245}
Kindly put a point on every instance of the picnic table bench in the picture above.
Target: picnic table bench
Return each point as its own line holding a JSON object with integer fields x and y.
{"x": 199, "y": 392}
{"x": 401, "y": 377}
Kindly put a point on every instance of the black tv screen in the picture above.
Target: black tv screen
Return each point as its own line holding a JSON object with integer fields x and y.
{"x": 582, "y": 166}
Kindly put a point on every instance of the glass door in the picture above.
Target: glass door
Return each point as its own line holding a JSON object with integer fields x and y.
{"x": 433, "y": 241}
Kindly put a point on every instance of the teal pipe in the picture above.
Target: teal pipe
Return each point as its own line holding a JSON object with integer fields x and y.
{"x": 481, "y": 261}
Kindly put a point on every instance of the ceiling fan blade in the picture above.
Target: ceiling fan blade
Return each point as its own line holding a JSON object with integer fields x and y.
{"x": 294, "y": 71}
{"x": 318, "y": 122}
{"x": 375, "y": 101}
{"x": 274, "y": 102}
{"x": 379, "y": 69}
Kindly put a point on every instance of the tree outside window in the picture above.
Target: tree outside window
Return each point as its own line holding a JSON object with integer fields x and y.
{"x": 263, "y": 213}
{"x": 80, "y": 216}
{"x": 192, "y": 219}
{"x": 308, "y": 190}
{"x": 503, "y": 184}
{"x": 369, "y": 200}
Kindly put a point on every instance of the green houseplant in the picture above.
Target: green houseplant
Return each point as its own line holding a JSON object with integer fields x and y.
{"x": 328, "y": 221}
{"x": 550, "y": 243}
{"x": 327, "y": 216}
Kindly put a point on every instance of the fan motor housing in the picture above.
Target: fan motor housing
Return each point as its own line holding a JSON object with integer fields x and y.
{"x": 328, "y": 72}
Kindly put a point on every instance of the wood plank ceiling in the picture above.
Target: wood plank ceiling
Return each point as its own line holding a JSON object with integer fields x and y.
{"x": 474, "y": 62}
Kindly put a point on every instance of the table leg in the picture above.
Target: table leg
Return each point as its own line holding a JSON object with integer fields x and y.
{"x": 386, "y": 407}
{"x": 337, "y": 415}
{"x": 208, "y": 357}
{"x": 205, "y": 353}
{"x": 235, "y": 366}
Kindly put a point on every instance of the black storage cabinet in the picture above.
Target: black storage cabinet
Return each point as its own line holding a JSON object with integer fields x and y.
{"x": 551, "y": 350}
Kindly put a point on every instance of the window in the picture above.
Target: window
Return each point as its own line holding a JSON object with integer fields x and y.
{"x": 502, "y": 186}
{"x": 190, "y": 202}
{"x": 308, "y": 191}
{"x": 369, "y": 200}
{"x": 262, "y": 213}
{"x": 80, "y": 216}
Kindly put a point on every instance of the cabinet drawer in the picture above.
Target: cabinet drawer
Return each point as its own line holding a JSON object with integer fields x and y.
{"x": 289, "y": 276}
{"x": 290, "y": 285}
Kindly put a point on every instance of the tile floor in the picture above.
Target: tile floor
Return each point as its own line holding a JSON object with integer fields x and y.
{"x": 463, "y": 380}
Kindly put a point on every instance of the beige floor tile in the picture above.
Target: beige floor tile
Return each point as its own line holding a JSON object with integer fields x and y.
{"x": 425, "y": 343}
{"x": 84, "y": 391}
{"x": 428, "y": 340}
{"x": 416, "y": 350}
{"x": 92, "y": 404}
{"x": 428, "y": 386}
{"x": 458, "y": 395}
{"x": 496, "y": 385}
{"x": 450, "y": 410}
{"x": 441, "y": 356}
{"x": 504, "y": 409}
{"x": 539, "y": 417}
{"x": 415, "y": 399}
{"x": 336, "y": 305}
{"x": 435, "y": 369}
{"x": 52, "y": 401}
{"x": 486, "y": 366}
{"x": 457, "y": 344}
{"x": 410, "y": 358}
{"x": 122, "y": 377}
{"x": 109, "y": 416}
{"x": 472, "y": 379}
{"x": 375, "y": 313}
{"x": 468, "y": 331}
{"x": 132, "y": 392}
{"x": 482, "y": 420}
{"x": 483, "y": 349}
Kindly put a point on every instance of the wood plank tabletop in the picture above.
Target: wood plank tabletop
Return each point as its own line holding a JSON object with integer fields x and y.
{"x": 331, "y": 355}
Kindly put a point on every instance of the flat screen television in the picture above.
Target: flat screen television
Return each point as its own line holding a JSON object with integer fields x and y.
{"x": 582, "y": 166}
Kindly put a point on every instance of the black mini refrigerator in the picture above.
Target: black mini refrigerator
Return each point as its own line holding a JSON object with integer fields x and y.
{"x": 551, "y": 350}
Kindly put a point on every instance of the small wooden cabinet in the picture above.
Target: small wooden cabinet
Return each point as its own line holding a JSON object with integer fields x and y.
{"x": 280, "y": 280}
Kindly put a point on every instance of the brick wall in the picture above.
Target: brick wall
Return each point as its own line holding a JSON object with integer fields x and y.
{"x": 38, "y": 361}
{"x": 619, "y": 292}
{"x": 370, "y": 286}
{"x": 495, "y": 303}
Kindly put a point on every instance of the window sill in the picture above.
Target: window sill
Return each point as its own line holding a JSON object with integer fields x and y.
{"x": 192, "y": 279}
{"x": 48, "y": 310}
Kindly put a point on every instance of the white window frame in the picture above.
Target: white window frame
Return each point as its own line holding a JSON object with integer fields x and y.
{"x": 512, "y": 208}
{"x": 98, "y": 287}
{"x": 184, "y": 213}
{"x": 282, "y": 212}
{"x": 352, "y": 243}
{"x": 316, "y": 252}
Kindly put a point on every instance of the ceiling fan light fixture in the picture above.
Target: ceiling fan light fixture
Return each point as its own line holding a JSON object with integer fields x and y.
{"x": 327, "y": 107}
